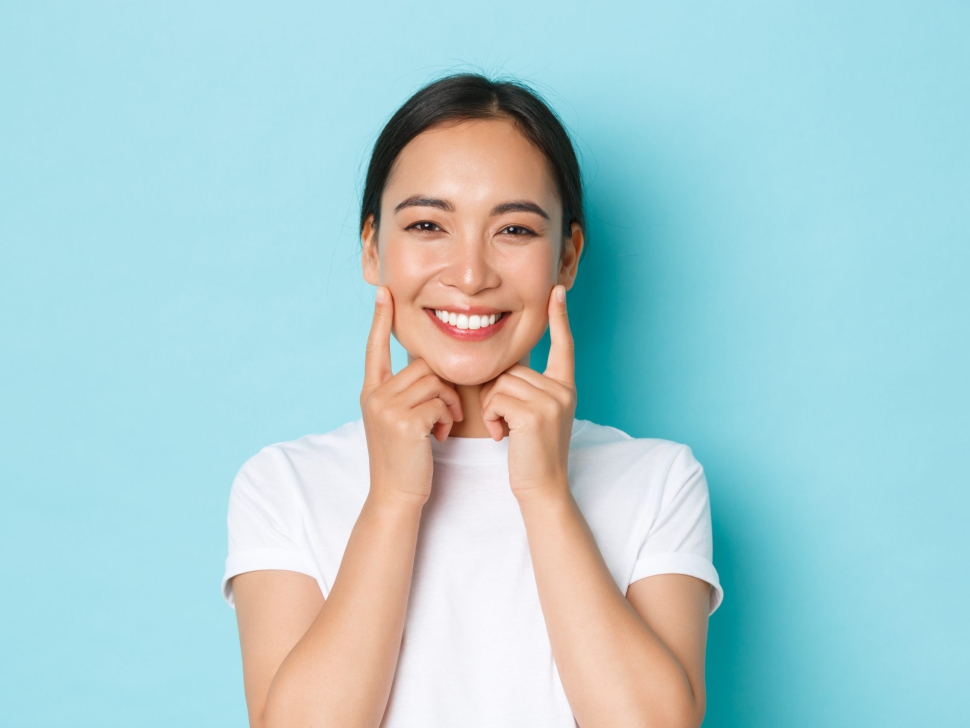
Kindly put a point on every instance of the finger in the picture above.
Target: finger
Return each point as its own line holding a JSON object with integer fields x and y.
{"x": 415, "y": 371}
{"x": 483, "y": 392}
{"x": 495, "y": 429}
{"x": 494, "y": 426}
{"x": 561, "y": 363}
{"x": 432, "y": 412}
{"x": 429, "y": 387}
{"x": 377, "y": 360}
{"x": 514, "y": 387}
{"x": 500, "y": 406}
{"x": 441, "y": 430}
{"x": 489, "y": 386}
{"x": 540, "y": 381}
{"x": 407, "y": 376}
{"x": 565, "y": 394}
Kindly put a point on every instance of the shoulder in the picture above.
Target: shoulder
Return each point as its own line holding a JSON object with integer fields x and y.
{"x": 605, "y": 460}
{"x": 602, "y": 443}
{"x": 305, "y": 458}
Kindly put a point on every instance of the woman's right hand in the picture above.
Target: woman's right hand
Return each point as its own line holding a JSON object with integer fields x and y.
{"x": 400, "y": 412}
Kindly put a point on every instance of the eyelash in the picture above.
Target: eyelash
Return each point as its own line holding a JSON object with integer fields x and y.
{"x": 417, "y": 228}
{"x": 525, "y": 230}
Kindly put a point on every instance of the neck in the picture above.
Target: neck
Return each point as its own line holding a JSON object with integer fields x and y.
{"x": 471, "y": 408}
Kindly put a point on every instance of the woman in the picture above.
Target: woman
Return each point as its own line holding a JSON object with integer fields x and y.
{"x": 468, "y": 553}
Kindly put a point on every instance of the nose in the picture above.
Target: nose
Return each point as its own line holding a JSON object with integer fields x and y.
{"x": 470, "y": 268}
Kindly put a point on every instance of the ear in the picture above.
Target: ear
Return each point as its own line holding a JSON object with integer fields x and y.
{"x": 572, "y": 248}
{"x": 369, "y": 257}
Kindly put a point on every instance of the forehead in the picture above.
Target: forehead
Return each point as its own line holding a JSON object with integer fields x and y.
{"x": 476, "y": 161}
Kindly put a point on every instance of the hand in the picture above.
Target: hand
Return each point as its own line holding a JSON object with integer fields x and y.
{"x": 538, "y": 409}
{"x": 400, "y": 412}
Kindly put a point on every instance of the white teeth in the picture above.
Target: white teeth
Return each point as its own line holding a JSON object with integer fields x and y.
{"x": 464, "y": 321}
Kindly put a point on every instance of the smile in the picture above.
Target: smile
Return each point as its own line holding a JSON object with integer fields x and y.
{"x": 468, "y": 326}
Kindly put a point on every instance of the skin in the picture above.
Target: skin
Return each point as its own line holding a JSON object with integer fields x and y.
{"x": 633, "y": 659}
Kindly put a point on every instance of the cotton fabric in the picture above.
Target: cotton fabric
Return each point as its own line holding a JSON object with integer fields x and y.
{"x": 475, "y": 649}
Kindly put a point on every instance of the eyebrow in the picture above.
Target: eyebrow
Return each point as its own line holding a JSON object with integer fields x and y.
{"x": 519, "y": 206}
{"x": 513, "y": 206}
{"x": 419, "y": 201}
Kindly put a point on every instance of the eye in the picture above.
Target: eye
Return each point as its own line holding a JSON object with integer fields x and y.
{"x": 516, "y": 230}
{"x": 424, "y": 226}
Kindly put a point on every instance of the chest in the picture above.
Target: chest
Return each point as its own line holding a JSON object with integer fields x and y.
{"x": 475, "y": 646}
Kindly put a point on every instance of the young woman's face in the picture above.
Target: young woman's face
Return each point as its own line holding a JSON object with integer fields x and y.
{"x": 470, "y": 230}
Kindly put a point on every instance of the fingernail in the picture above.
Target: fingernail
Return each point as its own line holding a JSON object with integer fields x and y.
{"x": 381, "y": 294}
{"x": 561, "y": 294}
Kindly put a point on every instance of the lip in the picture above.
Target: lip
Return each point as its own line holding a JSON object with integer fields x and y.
{"x": 468, "y": 310}
{"x": 469, "y": 334}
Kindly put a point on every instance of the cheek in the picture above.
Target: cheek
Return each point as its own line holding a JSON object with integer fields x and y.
{"x": 533, "y": 277}
{"x": 403, "y": 271}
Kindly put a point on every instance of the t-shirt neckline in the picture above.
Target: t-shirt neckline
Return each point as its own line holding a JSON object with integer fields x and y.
{"x": 479, "y": 449}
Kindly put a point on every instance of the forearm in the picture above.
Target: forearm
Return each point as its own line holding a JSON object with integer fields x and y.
{"x": 614, "y": 669}
{"x": 340, "y": 673}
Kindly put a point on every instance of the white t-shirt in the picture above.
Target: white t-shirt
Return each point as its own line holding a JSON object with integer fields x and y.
{"x": 475, "y": 650}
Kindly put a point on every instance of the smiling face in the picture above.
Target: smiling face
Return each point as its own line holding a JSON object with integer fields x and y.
{"x": 470, "y": 233}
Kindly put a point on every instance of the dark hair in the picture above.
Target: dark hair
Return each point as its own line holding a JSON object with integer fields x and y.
{"x": 464, "y": 96}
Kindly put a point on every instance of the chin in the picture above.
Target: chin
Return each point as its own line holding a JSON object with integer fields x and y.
{"x": 466, "y": 373}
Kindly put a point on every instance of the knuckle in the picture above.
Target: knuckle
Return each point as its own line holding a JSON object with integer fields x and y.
{"x": 377, "y": 407}
{"x": 385, "y": 416}
{"x": 425, "y": 386}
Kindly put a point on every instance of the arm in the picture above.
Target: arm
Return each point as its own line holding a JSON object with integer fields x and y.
{"x": 307, "y": 661}
{"x": 310, "y": 662}
{"x": 636, "y": 661}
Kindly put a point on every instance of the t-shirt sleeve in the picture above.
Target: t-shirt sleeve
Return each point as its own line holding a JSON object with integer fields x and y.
{"x": 679, "y": 540}
{"x": 265, "y": 520}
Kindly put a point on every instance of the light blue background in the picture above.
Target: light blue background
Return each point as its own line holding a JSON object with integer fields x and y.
{"x": 779, "y": 199}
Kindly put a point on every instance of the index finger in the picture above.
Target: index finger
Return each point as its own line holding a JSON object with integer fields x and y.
{"x": 561, "y": 364}
{"x": 377, "y": 359}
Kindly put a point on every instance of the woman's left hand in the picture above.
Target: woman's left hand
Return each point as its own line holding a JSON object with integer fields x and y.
{"x": 539, "y": 410}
